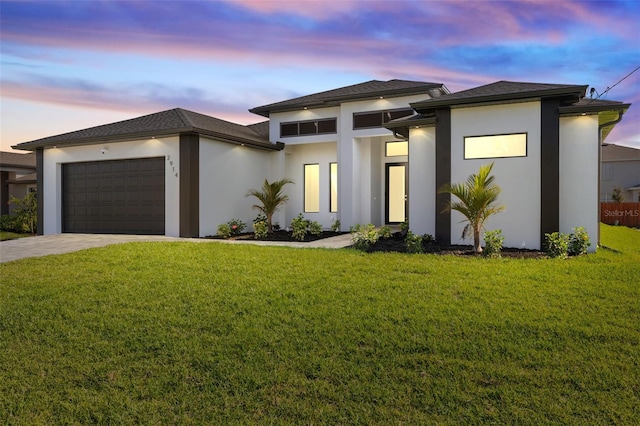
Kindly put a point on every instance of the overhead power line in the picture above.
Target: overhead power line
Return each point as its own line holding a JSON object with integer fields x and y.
{"x": 611, "y": 87}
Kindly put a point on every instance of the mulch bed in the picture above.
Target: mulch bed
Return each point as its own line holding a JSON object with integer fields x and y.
{"x": 394, "y": 244}
{"x": 281, "y": 235}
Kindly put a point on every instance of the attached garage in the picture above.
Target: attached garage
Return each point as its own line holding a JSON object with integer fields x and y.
{"x": 114, "y": 197}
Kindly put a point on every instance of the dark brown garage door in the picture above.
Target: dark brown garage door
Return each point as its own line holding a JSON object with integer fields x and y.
{"x": 114, "y": 197}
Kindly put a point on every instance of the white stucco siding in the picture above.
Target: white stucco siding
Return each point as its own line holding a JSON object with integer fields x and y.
{"x": 518, "y": 177}
{"x": 295, "y": 158}
{"x": 422, "y": 181}
{"x": 53, "y": 159}
{"x": 227, "y": 172}
{"x": 579, "y": 175}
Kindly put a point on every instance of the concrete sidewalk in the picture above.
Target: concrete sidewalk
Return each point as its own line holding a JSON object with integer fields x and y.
{"x": 44, "y": 245}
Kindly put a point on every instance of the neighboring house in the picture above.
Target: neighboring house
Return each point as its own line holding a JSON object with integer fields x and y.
{"x": 620, "y": 169}
{"x": 17, "y": 178}
{"x": 374, "y": 152}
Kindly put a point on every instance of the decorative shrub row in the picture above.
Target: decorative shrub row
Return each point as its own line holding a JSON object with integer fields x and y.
{"x": 560, "y": 245}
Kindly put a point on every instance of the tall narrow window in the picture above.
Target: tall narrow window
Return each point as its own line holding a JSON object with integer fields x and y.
{"x": 333, "y": 187}
{"x": 311, "y": 188}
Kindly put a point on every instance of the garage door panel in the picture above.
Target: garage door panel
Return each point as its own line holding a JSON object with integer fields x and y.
{"x": 120, "y": 196}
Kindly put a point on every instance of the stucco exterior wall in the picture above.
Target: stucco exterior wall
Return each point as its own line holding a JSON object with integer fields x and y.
{"x": 296, "y": 157}
{"x": 227, "y": 172}
{"x": 579, "y": 175}
{"x": 518, "y": 177}
{"x": 53, "y": 159}
{"x": 422, "y": 181}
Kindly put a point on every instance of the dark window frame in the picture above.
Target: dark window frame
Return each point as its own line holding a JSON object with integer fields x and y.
{"x": 321, "y": 126}
{"x": 384, "y": 115}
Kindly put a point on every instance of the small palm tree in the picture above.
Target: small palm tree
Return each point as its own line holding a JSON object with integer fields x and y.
{"x": 476, "y": 201}
{"x": 271, "y": 197}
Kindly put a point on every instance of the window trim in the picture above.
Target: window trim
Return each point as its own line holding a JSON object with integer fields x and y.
{"x": 304, "y": 186}
{"x": 526, "y": 146}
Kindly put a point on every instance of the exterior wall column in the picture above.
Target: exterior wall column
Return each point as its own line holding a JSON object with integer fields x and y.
{"x": 549, "y": 167}
{"x": 422, "y": 180}
{"x": 189, "y": 185}
{"x": 40, "y": 190}
{"x": 4, "y": 193}
{"x": 443, "y": 174}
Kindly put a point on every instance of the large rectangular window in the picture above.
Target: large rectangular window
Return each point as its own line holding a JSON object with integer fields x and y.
{"x": 373, "y": 119}
{"x": 333, "y": 187}
{"x": 310, "y": 127}
{"x": 311, "y": 188}
{"x": 495, "y": 146}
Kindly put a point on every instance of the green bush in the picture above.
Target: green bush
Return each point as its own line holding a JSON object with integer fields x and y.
{"x": 335, "y": 226}
{"x": 315, "y": 228}
{"x": 557, "y": 244}
{"x": 25, "y": 217}
{"x": 404, "y": 226}
{"x": 260, "y": 229}
{"x": 11, "y": 224}
{"x": 413, "y": 243}
{"x": 224, "y": 230}
{"x": 579, "y": 242}
{"x": 236, "y": 226}
{"x": 385, "y": 232}
{"x": 364, "y": 237}
{"x": 299, "y": 227}
{"x": 428, "y": 239}
{"x": 492, "y": 243}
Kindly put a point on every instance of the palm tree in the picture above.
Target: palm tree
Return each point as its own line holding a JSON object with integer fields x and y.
{"x": 476, "y": 201}
{"x": 271, "y": 197}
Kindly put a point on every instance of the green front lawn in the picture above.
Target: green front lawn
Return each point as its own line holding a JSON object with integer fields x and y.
{"x": 6, "y": 235}
{"x": 193, "y": 333}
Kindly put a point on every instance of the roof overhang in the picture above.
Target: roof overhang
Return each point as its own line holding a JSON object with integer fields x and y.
{"x": 334, "y": 101}
{"x": 568, "y": 94}
{"x": 46, "y": 143}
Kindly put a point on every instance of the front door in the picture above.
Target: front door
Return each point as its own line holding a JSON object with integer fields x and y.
{"x": 396, "y": 192}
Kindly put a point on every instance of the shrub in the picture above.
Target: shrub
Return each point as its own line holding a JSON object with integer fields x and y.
{"x": 236, "y": 226}
{"x": 428, "y": 239}
{"x": 579, "y": 242}
{"x": 493, "y": 243}
{"x": 299, "y": 227}
{"x": 260, "y": 218}
{"x": 315, "y": 228}
{"x": 404, "y": 226}
{"x": 557, "y": 244}
{"x": 224, "y": 230}
{"x": 335, "y": 226}
{"x": 260, "y": 229}
{"x": 10, "y": 224}
{"x": 413, "y": 243}
{"x": 364, "y": 237}
{"x": 26, "y": 213}
{"x": 385, "y": 232}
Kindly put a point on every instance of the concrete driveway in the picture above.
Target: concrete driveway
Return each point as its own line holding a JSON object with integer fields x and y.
{"x": 44, "y": 245}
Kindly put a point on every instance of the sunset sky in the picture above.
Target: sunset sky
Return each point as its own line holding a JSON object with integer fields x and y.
{"x": 69, "y": 65}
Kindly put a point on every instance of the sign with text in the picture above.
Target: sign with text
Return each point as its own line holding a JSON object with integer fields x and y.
{"x": 627, "y": 214}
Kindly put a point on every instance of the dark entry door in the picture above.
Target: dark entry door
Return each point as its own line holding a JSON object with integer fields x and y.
{"x": 114, "y": 197}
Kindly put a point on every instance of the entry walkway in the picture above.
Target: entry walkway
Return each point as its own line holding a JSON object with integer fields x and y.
{"x": 44, "y": 245}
